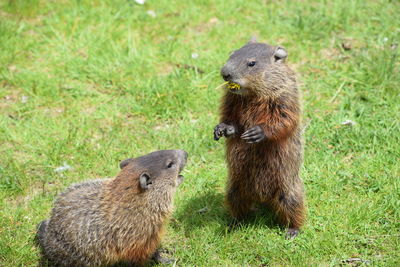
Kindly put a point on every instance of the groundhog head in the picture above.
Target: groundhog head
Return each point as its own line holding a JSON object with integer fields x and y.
{"x": 154, "y": 171}
{"x": 256, "y": 68}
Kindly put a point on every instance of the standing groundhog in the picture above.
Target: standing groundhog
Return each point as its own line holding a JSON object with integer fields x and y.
{"x": 102, "y": 222}
{"x": 260, "y": 113}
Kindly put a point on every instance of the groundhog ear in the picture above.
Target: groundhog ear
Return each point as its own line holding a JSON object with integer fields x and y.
{"x": 125, "y": 162}
{"x": 144, "y": 181}
{"x": 280, "y": 54}
{"x": 252, "y": 40}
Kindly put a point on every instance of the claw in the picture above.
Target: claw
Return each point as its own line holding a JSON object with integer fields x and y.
{"x": 253, "y": 135}
{"x": 217, "y": 132}
{"x": 292, "y": 233}
{"x": 223, "y": 129}
{"x": 158, "y": 258}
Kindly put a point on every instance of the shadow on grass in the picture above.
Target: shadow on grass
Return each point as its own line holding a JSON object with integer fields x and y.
{"x": 43, "y": 262}
{"x": 208, "y": 209}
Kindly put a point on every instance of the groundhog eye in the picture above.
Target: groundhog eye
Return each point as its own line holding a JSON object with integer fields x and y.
{"x": 170, "y": 165}
{"x": 251, "y": 63}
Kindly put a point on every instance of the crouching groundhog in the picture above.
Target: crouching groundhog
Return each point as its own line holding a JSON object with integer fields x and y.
{"x": 260, "y": 116}
{"x": 102, "y": 222}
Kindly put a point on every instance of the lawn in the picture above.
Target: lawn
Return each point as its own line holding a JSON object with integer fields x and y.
{"x": 86, "y": 84}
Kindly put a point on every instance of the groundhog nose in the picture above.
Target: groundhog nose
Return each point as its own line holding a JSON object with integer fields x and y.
{"x": 226, "y": 74}
{"x": 227, "y": 77}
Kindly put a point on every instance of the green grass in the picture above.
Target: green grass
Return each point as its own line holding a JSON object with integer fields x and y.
{"x": 90, "y": 83}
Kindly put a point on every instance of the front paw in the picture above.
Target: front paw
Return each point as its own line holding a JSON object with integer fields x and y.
{"x": 223, "y": 129}
{"x": 254, "y": 135}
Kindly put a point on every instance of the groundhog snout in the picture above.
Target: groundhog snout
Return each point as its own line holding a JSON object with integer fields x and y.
{"x": 226, "y": 73}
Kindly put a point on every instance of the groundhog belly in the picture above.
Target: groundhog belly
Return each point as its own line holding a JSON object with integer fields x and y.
{"x": 261, "y": 169}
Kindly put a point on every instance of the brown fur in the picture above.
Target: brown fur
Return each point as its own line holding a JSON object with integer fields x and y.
{"x": 102, "y": 222}
{"x": 267, "y": 171}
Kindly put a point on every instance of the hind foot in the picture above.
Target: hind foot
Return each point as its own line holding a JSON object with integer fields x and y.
{"x": 292, "y": 233}
{"x": 157, "y": 258}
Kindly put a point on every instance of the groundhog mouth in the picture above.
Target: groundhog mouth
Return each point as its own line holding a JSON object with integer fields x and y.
{"x": 234, "y": 87}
